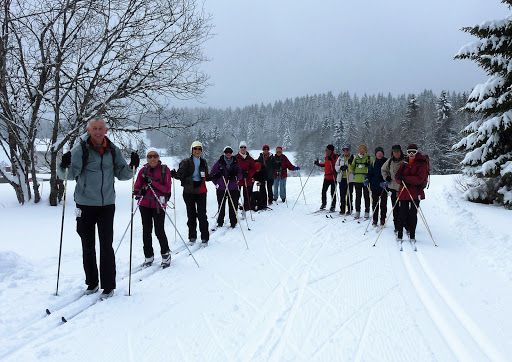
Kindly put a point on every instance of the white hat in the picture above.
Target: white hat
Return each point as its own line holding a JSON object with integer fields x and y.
{"x": 152, "y": 149}
{"x": 196, "y": 144}
{"x": 227, "y": 148}
{"x": 243, "y": 143}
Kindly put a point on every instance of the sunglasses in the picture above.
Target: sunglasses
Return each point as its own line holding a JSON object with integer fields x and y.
{"x": 226, "y": 152}
{"x": 243, "y": 146}
{"x": 197, "y": 149}
{"x": 412, "y": 152}
{"x": 152, "y": 156}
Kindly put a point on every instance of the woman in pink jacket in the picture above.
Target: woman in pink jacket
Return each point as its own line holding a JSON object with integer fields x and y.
{"x": 153, "y": 176}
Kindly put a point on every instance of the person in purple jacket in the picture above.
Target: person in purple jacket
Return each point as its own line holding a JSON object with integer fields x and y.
{"x": 225, "y": 173}
{"x": 158, "y": 176}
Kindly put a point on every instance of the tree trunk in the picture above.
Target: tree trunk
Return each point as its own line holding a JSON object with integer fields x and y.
{"x": 53, "y": 180}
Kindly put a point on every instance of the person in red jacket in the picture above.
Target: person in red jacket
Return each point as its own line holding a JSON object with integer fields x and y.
{"x": 413, "y": 172}
{"x": 247, "y": 164}
{"x": 329, "y": 176}
{"x": 158, "y": 176}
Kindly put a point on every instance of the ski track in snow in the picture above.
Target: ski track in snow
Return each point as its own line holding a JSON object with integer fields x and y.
{"x": 309, "y": 289}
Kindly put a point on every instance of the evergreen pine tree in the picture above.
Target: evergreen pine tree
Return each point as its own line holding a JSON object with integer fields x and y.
{"x": 487, "y": 140}
{"x": 409, "y": 127}
{"x": 442, "y": 160}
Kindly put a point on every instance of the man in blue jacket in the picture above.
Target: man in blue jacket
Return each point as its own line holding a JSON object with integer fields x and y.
{"x": 94, "y": 162}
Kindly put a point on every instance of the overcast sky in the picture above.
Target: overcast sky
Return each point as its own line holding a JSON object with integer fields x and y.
{"x": 265, "y": 50}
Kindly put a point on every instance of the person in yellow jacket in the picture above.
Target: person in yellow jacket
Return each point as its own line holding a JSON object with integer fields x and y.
{"x": 360, "y": 166}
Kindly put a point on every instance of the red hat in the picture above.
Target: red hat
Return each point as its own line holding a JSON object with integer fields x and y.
{"x": 265, "y": 146}
{"x": 281, "y": 147}
{"x": 412, "y": 146}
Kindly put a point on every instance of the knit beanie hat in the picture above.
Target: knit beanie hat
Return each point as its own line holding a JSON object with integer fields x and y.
{"x": 152, "y": 149}
{"x": 228, "y": 149}
{"x": 265, "y": 146}
{"x": 243, "y": 143}
{"x": 412, "y": 146}
{"x": 396, "y": 148}
{"x": 330, "y": 147}
{"x": 195, "y": 144}
{"x": 379, "y": 149}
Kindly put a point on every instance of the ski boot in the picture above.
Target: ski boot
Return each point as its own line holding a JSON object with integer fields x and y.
{"x": 166, "y": 260}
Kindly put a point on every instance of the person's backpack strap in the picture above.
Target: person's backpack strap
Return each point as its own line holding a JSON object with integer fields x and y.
{"x": 85, "y": 154}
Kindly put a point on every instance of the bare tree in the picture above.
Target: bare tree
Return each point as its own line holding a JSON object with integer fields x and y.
{"x": 122, "y": 59}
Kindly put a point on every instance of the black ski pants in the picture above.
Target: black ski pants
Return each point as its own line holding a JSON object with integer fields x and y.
{"x": 149, "y": 217}
{"x": 87, "y": 217}
{"x": 362, "y": 190}
{"x": 222, "y": 199}
{"x": 246, "y": 194}
{"x": 269, "y": 192}
{"x": 325, "y": 186}
{"x": 346, "y": 198}
{"x": 381, "y": 195}
{"x": 396, "y": 210}
{"x": 196, "y": 210}
{"x": 409, "y": 217}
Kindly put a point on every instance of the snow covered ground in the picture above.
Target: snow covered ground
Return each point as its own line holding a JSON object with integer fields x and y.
{"x": 309, "y": 288}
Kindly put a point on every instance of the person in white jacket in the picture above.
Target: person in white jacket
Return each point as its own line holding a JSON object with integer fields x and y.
{"x": 345, "y": 180}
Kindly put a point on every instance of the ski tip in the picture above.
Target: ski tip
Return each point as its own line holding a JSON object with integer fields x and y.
{"x": 48, "y": 311}
{"x": 64, "y": 320}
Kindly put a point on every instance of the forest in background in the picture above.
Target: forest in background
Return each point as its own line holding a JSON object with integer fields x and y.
{"x": 307, "y": 124}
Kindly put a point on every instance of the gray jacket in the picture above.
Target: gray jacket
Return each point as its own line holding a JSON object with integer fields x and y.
{"x": 95, "y": 181}
{"x": 389, "y": 169}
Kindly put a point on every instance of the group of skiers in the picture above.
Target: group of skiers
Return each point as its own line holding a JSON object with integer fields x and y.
{"x": 402, "y": 177}
{"x": 94, "y": 162}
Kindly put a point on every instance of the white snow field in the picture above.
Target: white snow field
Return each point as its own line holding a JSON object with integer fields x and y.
{"x": 310, "y": 288}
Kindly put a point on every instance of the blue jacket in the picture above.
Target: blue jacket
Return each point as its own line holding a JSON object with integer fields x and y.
{"x": 95, "y": 180}
{"x": 375, "y": 175}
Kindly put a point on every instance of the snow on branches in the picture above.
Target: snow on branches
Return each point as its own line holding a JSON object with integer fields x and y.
{"x": 488, "y": 139}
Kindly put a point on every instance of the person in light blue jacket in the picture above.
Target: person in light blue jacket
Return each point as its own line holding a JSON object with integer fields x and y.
{"x": 94, "y": 163}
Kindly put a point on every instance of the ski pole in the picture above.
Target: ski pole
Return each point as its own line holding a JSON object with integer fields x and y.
{"x": 218, "y": 208}
{"x": 241, "y": 206}
{"x": 131, "y": 236}
{"x": 174, "y": 201}
{"x": 248, "y": 199}
{"x": 387, "y": 218}
{"x": 126, "y": 230}
{"x": 302, "y": 189}
{"x": 373, "y": 213}
{"x": 304, "y": 195}
{"x": 173, "y": 224}
{"x": 62, "y": 228}
{"x": 418, "y": 209}
{"x": 236, "y": 213}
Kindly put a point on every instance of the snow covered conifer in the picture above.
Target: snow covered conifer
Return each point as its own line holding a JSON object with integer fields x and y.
{"x": 443, "y": 158}
{"x": 487, "y": 139}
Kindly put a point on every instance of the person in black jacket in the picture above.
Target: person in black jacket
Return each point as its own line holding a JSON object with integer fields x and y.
{"x": 193, "y": 174}
{"x": 267, "y": 169}
{"x": 378, "y": 187}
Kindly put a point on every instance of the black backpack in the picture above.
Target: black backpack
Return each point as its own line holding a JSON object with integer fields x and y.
{"x": 163, "y": 169}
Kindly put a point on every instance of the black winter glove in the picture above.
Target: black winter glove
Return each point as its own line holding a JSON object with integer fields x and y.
{"x": 388, "y": 179}
{"x": 147, "y": 179}
{"x": 174, "y": 174}
{"x": 317, "y": 163}
{"x": 66, "y": 160}
{"x": 344, "y": 168}
{"x": 134, "y": 160}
